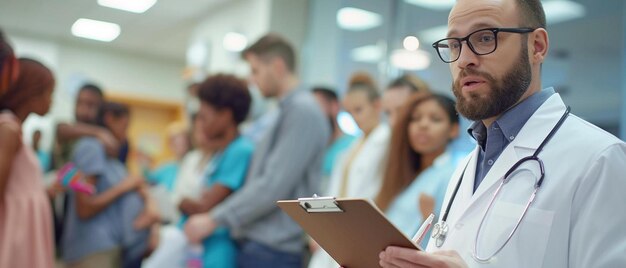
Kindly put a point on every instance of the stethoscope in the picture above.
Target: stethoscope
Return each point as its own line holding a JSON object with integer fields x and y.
{"x": 440, "y": 230}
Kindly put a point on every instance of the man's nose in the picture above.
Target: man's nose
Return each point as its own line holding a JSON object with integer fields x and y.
{"x": 467, "y": 57}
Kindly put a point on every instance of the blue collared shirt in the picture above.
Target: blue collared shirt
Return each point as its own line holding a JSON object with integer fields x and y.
{"x": 494, "y": 139}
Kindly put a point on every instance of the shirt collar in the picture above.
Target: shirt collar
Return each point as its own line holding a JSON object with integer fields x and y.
{"x": 512, "y": 121}
{"x": 287, "y": 99}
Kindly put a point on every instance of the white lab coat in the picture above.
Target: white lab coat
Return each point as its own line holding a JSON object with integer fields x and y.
{"x": 577, "y": 218}
{"x": 365, "y": 172}
{"x": 364, "y": 177}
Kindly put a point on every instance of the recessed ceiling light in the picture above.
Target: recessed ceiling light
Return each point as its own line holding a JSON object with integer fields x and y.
{"x": 96, "y": 30}
{"x": 433, "y": 34}
{"x": 135, "y": 6}
{"x": 410, "y": 60}
{"x": 235, "y": 42}
{"x": 562, "y": 10}
{"x": 356, "y": 19}
{"x": 369, "y": 53}
{"x": 411, "y": 43}
{"x": 433, "y": 4}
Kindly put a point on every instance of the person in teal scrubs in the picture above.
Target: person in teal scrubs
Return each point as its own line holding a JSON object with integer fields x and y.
{"x": 225, "y": 102}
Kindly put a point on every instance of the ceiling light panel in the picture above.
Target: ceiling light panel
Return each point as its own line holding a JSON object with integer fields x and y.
{"x": 96, "y": 30}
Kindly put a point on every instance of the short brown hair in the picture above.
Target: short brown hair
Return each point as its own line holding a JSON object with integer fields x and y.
{"x": 532, "y": 14}
{"x": 224, "y": 91}
{"x": 273, "y": 45}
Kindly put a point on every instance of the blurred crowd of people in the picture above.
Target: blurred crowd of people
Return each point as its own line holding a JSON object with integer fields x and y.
{"x": 214, "y": 204}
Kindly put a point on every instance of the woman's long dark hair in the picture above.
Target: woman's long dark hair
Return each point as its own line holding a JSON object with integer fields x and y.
{"x": 404, "y": 164}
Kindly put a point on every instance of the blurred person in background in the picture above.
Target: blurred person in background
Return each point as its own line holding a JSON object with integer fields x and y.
{"x": 89, "y": 101}
{"x": 224, "y": 105}
{"x": 286, "y": 165}
{"x": 419, "y": 165}
{"x": 26, "y": 238}
{"x": 112, "y": 227}
{"x": 43, "y": 156}
{"x": 339, "y": 141}
{"x": 359, "y": 171}
{"x": 398, "y": 92}
{"x": 9, "y": 65}
{"x": 190, "y": 176}
{"x": 179, "y": 143}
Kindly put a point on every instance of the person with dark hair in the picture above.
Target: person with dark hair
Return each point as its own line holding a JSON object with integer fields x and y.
{"x": 286, "y": 165}
{"x": 224, "y": 104}
{"x": 419, "y": 165}
{"x": 397, "y": 92}
{"x": 26, "y": 238}
{"x": 9, "y": 65}
{"x": 541, "y": 187}
{"x": 89, "y": 103}
{"x": 110, "y": 228}
{"x": 339, "y": 141}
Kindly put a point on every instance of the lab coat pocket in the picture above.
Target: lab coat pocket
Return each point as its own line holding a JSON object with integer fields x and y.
{"x": 527, "y": 246}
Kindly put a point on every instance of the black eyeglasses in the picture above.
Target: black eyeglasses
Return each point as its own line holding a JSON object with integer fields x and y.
{"x": 481, "y": 42}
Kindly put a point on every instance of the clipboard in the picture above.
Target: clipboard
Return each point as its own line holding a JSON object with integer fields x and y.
{"x": 352, "y": 231}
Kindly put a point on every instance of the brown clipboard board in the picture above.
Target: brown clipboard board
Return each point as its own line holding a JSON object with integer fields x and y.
{"x": 352, "y": 231}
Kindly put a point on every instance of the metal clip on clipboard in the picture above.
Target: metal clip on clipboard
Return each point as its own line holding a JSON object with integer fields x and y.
{"x": 319, "y": 204}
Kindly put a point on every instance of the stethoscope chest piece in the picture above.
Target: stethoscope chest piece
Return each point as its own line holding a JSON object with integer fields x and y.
{"x": 440, "y": 231}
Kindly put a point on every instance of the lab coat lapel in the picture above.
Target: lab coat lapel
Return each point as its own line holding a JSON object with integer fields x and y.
{"x": 464, "y": 195}
{"x": 527, "y": 141}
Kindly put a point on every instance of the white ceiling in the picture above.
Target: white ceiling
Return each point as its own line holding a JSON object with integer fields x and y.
{"x": 162, "y": 31}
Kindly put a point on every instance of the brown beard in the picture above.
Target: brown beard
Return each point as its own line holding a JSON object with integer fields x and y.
{"x": 503, "y": 95}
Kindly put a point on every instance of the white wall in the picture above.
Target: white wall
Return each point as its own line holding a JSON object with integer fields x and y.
{"x": 113, "y": 70}
{"x": 250, "y": 18}
{"x": 321, "y": 52}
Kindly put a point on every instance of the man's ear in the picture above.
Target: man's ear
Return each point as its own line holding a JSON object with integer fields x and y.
{"x": 539, "y": 45}
{"x": 278, "y": 65}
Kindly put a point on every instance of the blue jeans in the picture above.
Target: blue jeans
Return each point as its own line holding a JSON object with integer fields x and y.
{"x": 256, "y": 255}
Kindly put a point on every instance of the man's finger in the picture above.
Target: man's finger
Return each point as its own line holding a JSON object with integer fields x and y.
{"x": 414, "y": 257}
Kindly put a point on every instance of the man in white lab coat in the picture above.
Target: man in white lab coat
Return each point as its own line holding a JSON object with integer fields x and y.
{"x": 495, "y": 49}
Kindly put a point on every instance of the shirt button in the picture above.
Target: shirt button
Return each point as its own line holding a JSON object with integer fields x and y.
{"x": 490, "y": 162}
{"x": 512, "y": 138}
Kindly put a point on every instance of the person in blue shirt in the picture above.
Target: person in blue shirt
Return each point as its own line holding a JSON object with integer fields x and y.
{"x": 419, "y": 166}
{"x": 112, "y": 227}
{"x": 225, "y": 102}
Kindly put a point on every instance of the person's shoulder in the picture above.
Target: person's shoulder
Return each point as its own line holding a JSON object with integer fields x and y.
{"x": 591, "y": 135}
{"x": 9, "y": 124}
{"x": 87, "y": 144}
{"x": 242, "y": 145}
{"x": 304, "y": 100}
